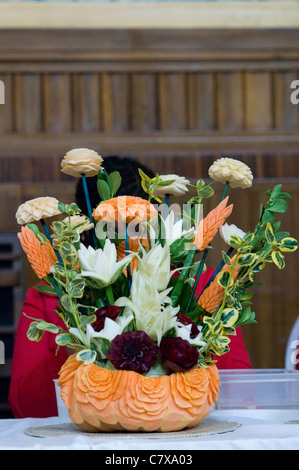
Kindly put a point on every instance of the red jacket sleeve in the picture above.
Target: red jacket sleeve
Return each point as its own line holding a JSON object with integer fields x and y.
{"x": 35, "y": 365}
{"x": 237, "y": 357}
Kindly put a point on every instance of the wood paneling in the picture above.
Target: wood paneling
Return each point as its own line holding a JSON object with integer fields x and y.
{"x": 172, "y": 99}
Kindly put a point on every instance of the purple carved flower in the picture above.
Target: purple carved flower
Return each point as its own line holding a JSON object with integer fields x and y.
{"x": 133, "y": 350}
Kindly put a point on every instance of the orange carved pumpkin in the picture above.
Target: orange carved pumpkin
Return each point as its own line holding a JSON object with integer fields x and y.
{"x": 99, "y": 399}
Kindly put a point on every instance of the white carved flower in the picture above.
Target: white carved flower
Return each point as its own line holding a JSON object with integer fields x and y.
{"x": 100, "y": 267}
{"x": 174, "y": 228}
{"x": 226, "y": 232}
{"x": 233, "y": 171}
{"x": 177, "y": 187}
{"x": 155, "y": 266}
{"x": 81, "y": 161}
{"x": 111, "y": 329}
{"x": 153, "y": 310}
{"x": 37, "y": 209}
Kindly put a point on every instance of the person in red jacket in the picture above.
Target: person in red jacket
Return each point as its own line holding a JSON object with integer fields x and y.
{"x": 36, "y": 365}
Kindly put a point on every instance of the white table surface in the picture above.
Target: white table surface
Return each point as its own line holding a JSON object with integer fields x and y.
{"x": 260, "y": 430}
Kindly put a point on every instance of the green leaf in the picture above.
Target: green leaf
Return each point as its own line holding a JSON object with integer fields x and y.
{"x": 66, "y": 303}
{"x": 279, "y": 205}
{"x": 278, "y": 259}
{"x": 34, "y": 333}
{"x": 288, "y": 244}
{"x": 229, "y": 331}
{"x": 87, "y": 320}
{"x": 180, "y": 247}
{"x": 45, "y": 289}
{"x": 207, "y": 192}
{"x": 246, "y": 316}
{"x": 235, "y": 240}
{"x": 229, "y": 317}
{"x": 77, "y": 288}
{"x": 103, "y": 190}
{"x": 87, "y": 356}
{"x": 225, "y": 280}
{"x": 68, "y": 252}
{"x": 247, "y": 259}
{"x": 61, "y": 207}
{"x": 217, "y": 328}
{"x": 63, "y": 339}
{"x": 269, "y": 234}
{"x": 114, "y": 182}
{"x": 226, "y": 259}
{"x": 101, "y": 345}
{"x": 268, "y": 217}
{"x": 165, "y": 182}
{"x": 45, "y": 326}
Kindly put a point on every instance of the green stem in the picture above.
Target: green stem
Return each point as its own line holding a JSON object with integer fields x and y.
{"x": 220, "y": 266}
{"x": 166, "y": 203}
{"x": 110, "y": 295}
{"x": 176, "y": 292}
{"x": 225, "y": 190}
{"x": 55, "y": 286}
{"x": 199, "y": 272}
{"x": 48, "y": 234}
{"x": 228, "y": 284}
{"x": 127, "y": 254}
{"x": 87, "y": 199}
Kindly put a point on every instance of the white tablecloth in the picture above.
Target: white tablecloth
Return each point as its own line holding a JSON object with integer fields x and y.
{"x": 260, "y": 430}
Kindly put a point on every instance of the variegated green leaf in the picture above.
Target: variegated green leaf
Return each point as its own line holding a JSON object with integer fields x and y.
{"x": 34, "y": 333}
{"x": 87, "y": 320}
{"x": 45, "y": 326}
{"x": 288, "y": 244}
{"x": 278, "y": 259}
{"x": 87, "y": 356}
{"x": 247, "y": 259}
{"x": 226, "y": 258}
{"x": 224, "y": 279}
{"x": 63, "y": 339}
{"x": 235, "y": 240}
{"x": 229, "y": 317}
{"x": 269, "y": 234}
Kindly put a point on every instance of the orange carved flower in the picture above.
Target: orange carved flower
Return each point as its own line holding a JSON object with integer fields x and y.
{"x": 210, "y": 225}
{"x": 125, "y": 209}
{"x": 144, "y": 402}
{"x": 213, "y": 295}
{"x": 41, "y": 257}
{"x": 99, "y": 399}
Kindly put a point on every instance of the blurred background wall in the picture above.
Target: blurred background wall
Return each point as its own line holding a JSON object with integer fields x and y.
{"x": 174, "y": 98}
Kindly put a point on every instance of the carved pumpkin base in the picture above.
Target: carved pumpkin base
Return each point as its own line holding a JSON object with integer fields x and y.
{"x": 102, "y": 400}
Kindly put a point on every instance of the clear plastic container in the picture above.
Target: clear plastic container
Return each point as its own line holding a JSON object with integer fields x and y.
{"x": 259, "y": 389}
{"x": 63, "y": 413}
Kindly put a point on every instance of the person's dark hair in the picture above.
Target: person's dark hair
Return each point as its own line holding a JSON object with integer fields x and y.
{"x": 128, "y": 169}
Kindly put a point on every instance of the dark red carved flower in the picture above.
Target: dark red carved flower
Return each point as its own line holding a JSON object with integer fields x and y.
{"x": 183, "y": 318}
{"x": 178, "y": 354}
{"x": 111, "y": 311}
{"x": 133, "y": 350}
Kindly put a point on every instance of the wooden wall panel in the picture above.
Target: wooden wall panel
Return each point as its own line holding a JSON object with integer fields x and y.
{"x": 174, "y": 100}
{"x": 57, "y": 103}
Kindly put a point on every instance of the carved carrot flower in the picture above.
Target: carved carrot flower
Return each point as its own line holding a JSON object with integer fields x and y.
{"x": 125, "y": 209}
{"x": 41, "y": 256}
{"x": 210, "y": 225}
{"x": 213, "y": 295}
